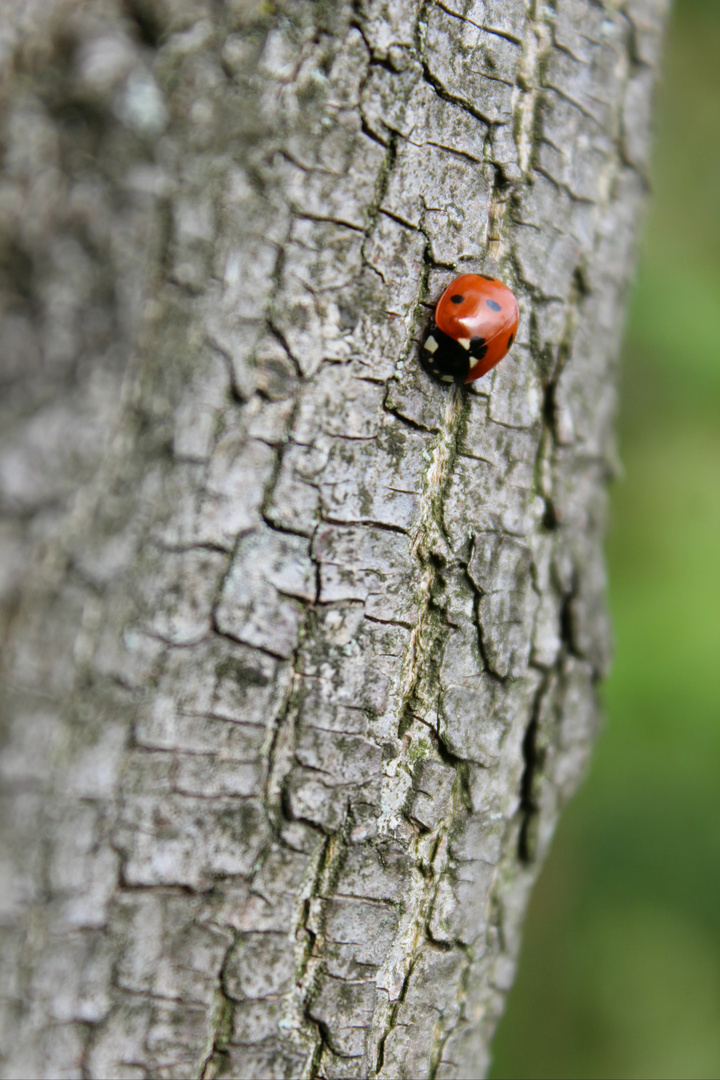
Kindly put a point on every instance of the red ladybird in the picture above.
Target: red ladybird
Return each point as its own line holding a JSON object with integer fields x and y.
{"x": 475, "y": 324}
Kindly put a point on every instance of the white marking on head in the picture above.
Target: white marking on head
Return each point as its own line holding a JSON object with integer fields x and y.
{"x": 446, "y": 378}
{"x": 431, "y": 345}
{"x": 464, "y": 341}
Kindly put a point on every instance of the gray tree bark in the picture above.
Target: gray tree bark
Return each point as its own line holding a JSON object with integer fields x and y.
{"x": 300, "y": 647}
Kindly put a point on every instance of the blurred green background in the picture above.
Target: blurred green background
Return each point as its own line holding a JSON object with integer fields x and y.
{"x": 620, "y": 970}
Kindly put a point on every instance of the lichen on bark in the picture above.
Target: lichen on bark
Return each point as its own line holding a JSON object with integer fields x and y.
{"x": 300, "y": 649}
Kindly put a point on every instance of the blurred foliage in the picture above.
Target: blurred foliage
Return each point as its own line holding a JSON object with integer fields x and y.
{"x": 620, "y": 971}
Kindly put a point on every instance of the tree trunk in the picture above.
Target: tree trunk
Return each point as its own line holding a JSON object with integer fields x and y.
{"x": 301, "y": 647}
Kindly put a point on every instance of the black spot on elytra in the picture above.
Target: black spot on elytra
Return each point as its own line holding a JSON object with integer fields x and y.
{"x": 457, "y": 298}
{"x": 487, "y": 277}
{"x": 493, "y": 304}
{"x": 510, "y": 340}
{"x": 478, "y": 348}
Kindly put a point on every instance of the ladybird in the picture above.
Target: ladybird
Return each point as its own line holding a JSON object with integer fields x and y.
{"x": 475, "y": 324}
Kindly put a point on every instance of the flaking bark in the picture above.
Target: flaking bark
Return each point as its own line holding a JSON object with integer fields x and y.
{"x": 300, "y": 647}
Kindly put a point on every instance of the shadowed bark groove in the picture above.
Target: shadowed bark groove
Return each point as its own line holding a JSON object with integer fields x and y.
{"x": 300, "y": 649}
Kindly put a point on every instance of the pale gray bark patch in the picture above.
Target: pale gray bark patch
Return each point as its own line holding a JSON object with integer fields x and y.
{"x": 300, "y": 647}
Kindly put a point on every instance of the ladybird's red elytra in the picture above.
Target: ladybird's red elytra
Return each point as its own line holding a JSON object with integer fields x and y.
{"x": 475, "y": 324}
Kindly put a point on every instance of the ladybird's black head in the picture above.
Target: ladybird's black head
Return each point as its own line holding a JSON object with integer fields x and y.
{"x": 445, "y": 358}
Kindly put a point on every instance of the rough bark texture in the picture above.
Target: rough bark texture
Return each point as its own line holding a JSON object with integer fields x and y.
{"x": 301, "y": 648}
